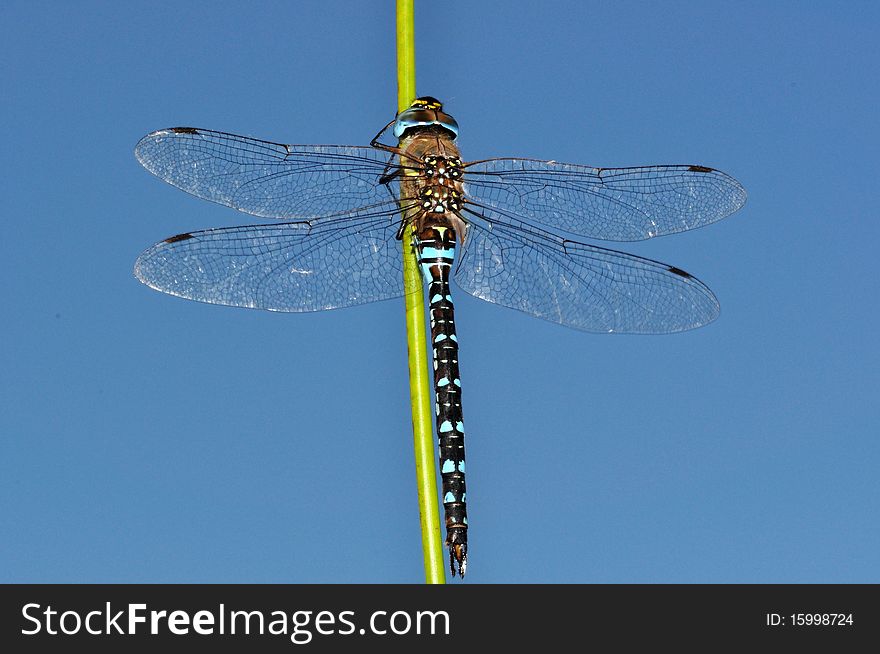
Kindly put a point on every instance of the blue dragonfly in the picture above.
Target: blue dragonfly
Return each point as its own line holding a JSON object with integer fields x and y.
{"x": 507, "y": 230}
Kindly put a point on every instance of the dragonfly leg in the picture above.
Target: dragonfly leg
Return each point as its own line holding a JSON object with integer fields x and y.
{"x": 387, "y": 177}
{"x": 376, "y": 144}
{"x": 393, "y": 149}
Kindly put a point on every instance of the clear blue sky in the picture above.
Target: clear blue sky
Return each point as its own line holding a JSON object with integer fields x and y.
{"x": 144, "y": 438}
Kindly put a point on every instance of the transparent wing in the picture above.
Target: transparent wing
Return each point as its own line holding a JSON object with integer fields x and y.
{"x": 296, "y": 266}
{"x": 267, "y": 179}
{"x": 578, "y": 285}
{"x": 615, "y": 204}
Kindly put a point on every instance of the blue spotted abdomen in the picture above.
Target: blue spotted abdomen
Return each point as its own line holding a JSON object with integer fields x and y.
{"x": 435, "y": 246}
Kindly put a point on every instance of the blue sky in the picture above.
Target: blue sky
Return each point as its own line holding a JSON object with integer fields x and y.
{"x": 144, "y": 438}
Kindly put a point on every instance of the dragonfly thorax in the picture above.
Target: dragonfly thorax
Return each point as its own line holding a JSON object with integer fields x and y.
{"x": 440, "y": 199}
{"x": 442, "y": 168}
{"x": 437, "y": 188}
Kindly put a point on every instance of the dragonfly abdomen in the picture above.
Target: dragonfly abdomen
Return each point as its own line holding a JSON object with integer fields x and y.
{"x": 435, "y": 246}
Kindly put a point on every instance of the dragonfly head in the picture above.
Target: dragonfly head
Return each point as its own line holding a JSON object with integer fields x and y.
{"x": 425, "y": 112}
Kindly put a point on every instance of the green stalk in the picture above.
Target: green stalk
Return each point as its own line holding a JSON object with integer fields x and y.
{"x": 417, "y": 344}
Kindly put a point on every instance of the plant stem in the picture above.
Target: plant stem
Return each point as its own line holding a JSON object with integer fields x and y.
{"x": 419, "y": 389}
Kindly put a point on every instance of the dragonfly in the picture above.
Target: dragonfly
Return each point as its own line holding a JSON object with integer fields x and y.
{"x": 507, "y": 230}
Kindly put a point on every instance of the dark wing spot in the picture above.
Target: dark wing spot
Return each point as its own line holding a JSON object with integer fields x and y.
{"x": 179, "y": 237}
{"x": 679, "y": 272}
{"x": 184, "y": 130}
{"x": 700, "y": 169}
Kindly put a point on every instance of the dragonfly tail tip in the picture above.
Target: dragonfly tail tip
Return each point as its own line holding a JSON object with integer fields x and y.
{"x": 458, "y": 559}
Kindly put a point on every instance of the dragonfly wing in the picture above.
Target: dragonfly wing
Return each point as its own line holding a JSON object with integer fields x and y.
{"x": 579, "y": 285}
{"x": 615, "y": 204}
{"x": 267, "y": 179}
{"x": 293, "y": 266}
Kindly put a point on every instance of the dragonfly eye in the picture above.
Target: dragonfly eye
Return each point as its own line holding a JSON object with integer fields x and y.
{"x": 425, "y": 113}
